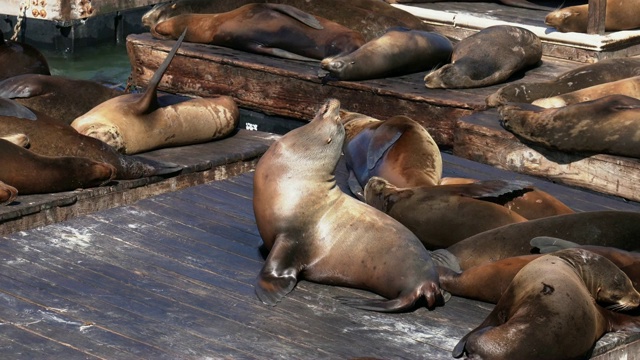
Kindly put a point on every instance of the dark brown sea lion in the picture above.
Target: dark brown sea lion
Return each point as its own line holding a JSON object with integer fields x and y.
{"x": 609, "y": 125}
{"x": 603, "y": 71}
{"x": 515, "y": 3}
{"x": 18, "y": 58}
{"x": 549, "y": 310}
{"x": 628, "y": 87}
{"x": 619, "y": 15}
{"x": 7, "y": 193}
{"x": 440, "y": 216}
{"x": 61, "y": 98}
{"x": 268, "y": 29}
{"x": 315, "y": 231}
{"x": 399, "y": 51}
{"x": 488, "y": 57}
{"x": 31, "y": 173}
{"x": 48, "y": 137}
{"x": 371, "y": 18}
{"x": 134, "y": 123}
{"x": 399, "y": 150}
{"x": 617, "y": 229}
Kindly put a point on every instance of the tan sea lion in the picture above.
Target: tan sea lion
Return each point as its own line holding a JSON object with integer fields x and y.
{"x": 31, "y": 173}
{"x": 59, "y": 97}
{"x": 316, "y": 232}
{"x": 603, "y": 71}
{"x": 18, "y": 58}
{"x": 48, "y": 137}
{"x": 617, "y": 229}
{"x": 609, "y": 125}
{"x": 628, "y": 87}
{"x": 134, "y": 123}
{"x": 440, "y": 216}
{"x": 488, "y": 57}
{"x": 549, "y": 310}
{"x": 619, "y": 15}
{"x": 268, "y": 29}
{"x": 398, "y": 149}
{"x": 7, "y": 194}
{"x": 399, "y": 51}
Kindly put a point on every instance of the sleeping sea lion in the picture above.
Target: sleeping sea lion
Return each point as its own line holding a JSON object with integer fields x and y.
{"x": 619, "y": 15}
{"x": 18, "y": 58}
{"x": 628, "y": 87}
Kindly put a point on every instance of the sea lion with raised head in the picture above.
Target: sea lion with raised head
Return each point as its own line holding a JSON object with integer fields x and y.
{"x": 550, "y": 310}
{"x": 316, "y": 232}
{"x": 18, "y": 58}
{"x": 619, "y": 15}
{"x": 399, "y": 51}
{"x": 488, "y": 57}
{"x": 628, "y": 87}
{"x": 267, "y": 29}
{"x": 608, "y": 125}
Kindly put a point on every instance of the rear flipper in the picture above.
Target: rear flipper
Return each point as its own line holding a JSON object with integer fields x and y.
{"x": 549, "y": 244}
{"x": 279, "y": 275}
{"x": 404, "y": 302}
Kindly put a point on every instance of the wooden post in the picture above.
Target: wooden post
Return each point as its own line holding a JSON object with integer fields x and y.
{"x": 597, "y": 13}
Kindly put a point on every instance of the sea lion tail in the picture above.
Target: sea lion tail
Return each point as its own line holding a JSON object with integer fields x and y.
{"x": 549, "y": 244}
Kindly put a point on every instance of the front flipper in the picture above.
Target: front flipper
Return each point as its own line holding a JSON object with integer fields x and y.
{"x": 22, "y": 86}
{"x": 281, "y": 53}
{"x": 297, "y": 14}
{"x": 12, "y": 108}
{"x": 355, "y": 187}
{"x": 279, "y": 274}
{"x": 381, "y": 141}
{"x": 549, "y": 244}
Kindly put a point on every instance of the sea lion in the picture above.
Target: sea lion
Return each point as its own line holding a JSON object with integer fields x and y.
{"x": 51, "y": 138}
{"x": 609, "y": 125}
{"x": 398, "y": 149}
{"x": 317, "y": 232}
{"x": 603, "y": 71}
{"x": 268, "y": 29}
{"x": 7, "y": 194}
{"x": 19, "y": 58}
{"x": 134, "y": 123}
{"x": 628, "y": 87}
{"x": 59, "y": 97}
{"x": 515, "y": 3}
{"x": 619, "y": 15}
{"x": 617, "y": 229}
{"x": 549, "y": 310}
{"x": 371, "y": 18}
{"x": 488, "y": 57}
{"x": 440, "y": 216}
{"x": 31, "y": 173}
{"x": 399, "y": 51}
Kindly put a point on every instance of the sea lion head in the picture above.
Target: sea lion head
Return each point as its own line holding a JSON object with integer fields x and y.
{"x": 355, "y": 122}
{"x": 382, "y": 195}
{"x": 567, "y": 19}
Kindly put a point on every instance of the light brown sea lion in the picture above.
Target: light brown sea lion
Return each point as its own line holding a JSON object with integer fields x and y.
{"x": 31, "y": 173}
{"x": 268, "y": 29}
{"x": 609, "y": 125}
{"x": 619, "y": 15}
{"x": 628, "y": 87}
{"x": 549, "y": 310}
{"x": 603, "y": 71}
{"x": 315, "y": 231}
{"x": 61, "y": 98}
{"x": 488, "y": 57}
{"x": 440, "y": 216}
{"x": 398, "y": 149}
{"x": 371, "y": 18}
{"x": 617, "y": 229}
{"x": 19, "y": 58}
{"x": 7, "y": 194}
{"x": 134, "y": 123}
{"x": 399, "y": 51}
{"x": 48, "y": 137}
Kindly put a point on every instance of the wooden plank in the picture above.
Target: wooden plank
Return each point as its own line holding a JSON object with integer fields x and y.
{"x": 597, "y": 14}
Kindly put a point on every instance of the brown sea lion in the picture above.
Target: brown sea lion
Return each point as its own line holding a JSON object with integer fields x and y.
{"x": 603, "y": 71}
{"x": 50, "y": 138}
{"x": 609, "y": 125}
{"x": 488, "y": 57}
{"x": 19, "y": 58}
{"x": 268, "y": 29}
{"x": 7, "y": 194}
{"x": 628, "y": 87}
{"x": 315, "y": 231}
{"x": 399, "y": 51}
{"x": 399, "y": 150}
{"x": 617, "y": 229}
{"x": 440, "y": 216}
{"x": 371, "y": 18}
{"x": 134, "y": 123}
{"x": 549, "y": 310}
{"x": 61, "y": 98}
{"x": 31, "y": 173}
{"x": 619, "y": 15}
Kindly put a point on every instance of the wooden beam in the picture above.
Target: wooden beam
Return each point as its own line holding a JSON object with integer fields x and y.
{"x": 597, "y": 14}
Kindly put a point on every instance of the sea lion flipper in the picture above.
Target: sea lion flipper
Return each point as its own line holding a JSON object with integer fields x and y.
{"x": 380, "y": 305}
{"x": 261, "y": 49}
{"x": 381, "y": 141}
{"x": 297, "y": 14}
{"x": 11, "y": 108}
{"x": 20, "y": 86}
{"x": 548, "y": 244}
{"x": 492, "y": 188}
{"x": 278, "y": 276}
{"x": 355, "y": 187}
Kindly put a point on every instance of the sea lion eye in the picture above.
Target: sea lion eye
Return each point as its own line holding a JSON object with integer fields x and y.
{"x": 329, "y": 140}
